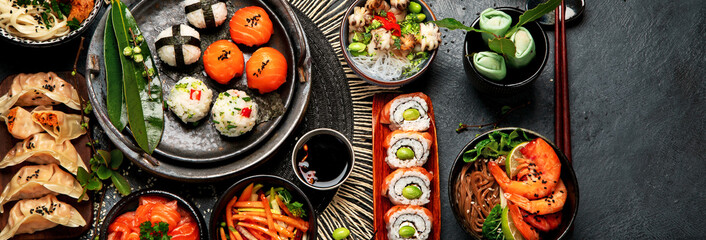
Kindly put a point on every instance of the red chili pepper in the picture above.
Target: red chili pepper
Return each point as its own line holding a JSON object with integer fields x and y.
{"x": 246, "y": 112}
{"x": 390, "y": 23}
{"x": 195, "y": 95}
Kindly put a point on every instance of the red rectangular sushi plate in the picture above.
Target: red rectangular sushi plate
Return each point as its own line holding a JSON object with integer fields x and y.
{"x": 380, "y": 170}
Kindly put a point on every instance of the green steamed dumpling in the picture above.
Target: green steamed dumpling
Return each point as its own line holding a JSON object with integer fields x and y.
{"x": 524, "y": 48}
{"x": 497, "y": 22}
{"x": 490, "y": 65}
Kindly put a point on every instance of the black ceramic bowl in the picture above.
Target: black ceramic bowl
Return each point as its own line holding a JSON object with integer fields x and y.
{"x": 350, "y": 156}
{"x": 571, "y": 205}
{"x": 347, "y": 55}
{"x": 131, "y": 202}
{"x": 269, "y": 181}
{"x": 517, "y": 80}
{"x": 7, "y": 36}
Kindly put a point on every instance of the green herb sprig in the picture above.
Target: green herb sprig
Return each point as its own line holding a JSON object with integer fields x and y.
{"x": 497, "y": 144}
{"x": 492, "y": 227}
{"x": 503, "y": 44}
{"x": 158, "y": 231}
{"x": 296, "y": 208}
{"x": 104, "y": 165}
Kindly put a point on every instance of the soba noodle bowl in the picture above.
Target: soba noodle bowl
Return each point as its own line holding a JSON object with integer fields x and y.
{"x": 42, "y": 20}
{"x": 477, "y": 192}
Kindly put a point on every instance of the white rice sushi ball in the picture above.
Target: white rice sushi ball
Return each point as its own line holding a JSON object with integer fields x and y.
{"x": 234, "y": 113}
{"x": 190, "y": 99}
{"x": 205, "y": 13}
{"x": 179, "y": 45}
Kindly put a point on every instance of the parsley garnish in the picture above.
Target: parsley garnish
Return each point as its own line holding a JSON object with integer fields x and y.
{"x": 157, "y": 232}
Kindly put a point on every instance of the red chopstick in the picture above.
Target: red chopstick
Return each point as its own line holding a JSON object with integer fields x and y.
{"x": 565, "y": 86}
{"x": 558, "y": 119}
{"x": 561, "y": 91}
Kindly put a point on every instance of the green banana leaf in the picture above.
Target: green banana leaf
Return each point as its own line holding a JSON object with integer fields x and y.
{"x": 143, "y": 99}
{"x": 117, "y": 112}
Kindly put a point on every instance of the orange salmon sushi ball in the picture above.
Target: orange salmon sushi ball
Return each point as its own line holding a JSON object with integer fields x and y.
{"x": 251, "y": 26}
{"x": 266, "y": 70}
{"x": 223, "y": 61}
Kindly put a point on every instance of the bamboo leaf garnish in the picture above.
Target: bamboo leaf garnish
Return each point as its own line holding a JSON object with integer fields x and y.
{"x": 115, "y": 104}
{"x": 534, "y": 14}
{"x": 453, "y": 24}
{"x": 142, "y": 89}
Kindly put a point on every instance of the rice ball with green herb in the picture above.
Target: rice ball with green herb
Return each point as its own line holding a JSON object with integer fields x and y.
{"x": 190, "y": 99}
{"x": 234, "y": 113}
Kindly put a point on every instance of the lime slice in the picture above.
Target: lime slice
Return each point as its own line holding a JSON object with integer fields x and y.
{"x": 509, "y": 229}
{"x": 511, "y": 160}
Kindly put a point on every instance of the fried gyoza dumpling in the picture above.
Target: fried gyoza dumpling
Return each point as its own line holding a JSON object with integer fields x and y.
{"x": 39, "y": 89}
{"x": 29, "y": 216}
{"x": 38, "y": 180}
{"x": 42, "y": 148}
{"x": 58, "y": 124}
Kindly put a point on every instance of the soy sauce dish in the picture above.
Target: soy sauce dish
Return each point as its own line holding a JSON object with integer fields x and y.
{"x": 323, "y": 159}
{"x": 154, "y": 204}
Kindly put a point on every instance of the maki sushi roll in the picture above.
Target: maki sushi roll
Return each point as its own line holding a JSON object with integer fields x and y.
{"x": 408, "y": 222}
{"x": 408, "y": 186}
{"x": 223, "y": 61}
{"x": 190, "y": 99}
{"x": 179, "y": 45}
{"x": 407, "y": 149}
{"x": 205, "y": 13}
{"x": 251, "y": 26}
{"x": 234, "y": 113}
{"x": 266, "y": 70}
{"x": 407, "y": 112}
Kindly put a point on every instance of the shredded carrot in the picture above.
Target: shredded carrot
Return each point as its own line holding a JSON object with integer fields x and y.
{"x": 268, "y": 212}
{"x": 246, "y": 193}
{"x": 261, "y": 220}
{"x": 223, "y": 235}
{"x": 248, "y": 204}
{"x": 47, "y": 119}
{"x": 260, "y": 229}
{"x": 283, "y": 206}
{"x": 235, "y": 235}
{"x": 298, "y": 223}
{"x": 11, "y": 119}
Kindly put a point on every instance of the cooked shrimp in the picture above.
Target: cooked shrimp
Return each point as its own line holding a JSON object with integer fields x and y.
{"x": 382, "y": 39}
{"x": 377, "y": 5}
{"x": 400, "y": 4}
{"x": 545, "y": 172}
{"x": 544, "y": 223}
{"x": 358, "y": 20}
{"x": 429, "y": 36}
{"x": 548, "y": 205}
{"x": 407, "y": 42}
{"x": 400, "y": 14}
{"x": 525, "y": 229}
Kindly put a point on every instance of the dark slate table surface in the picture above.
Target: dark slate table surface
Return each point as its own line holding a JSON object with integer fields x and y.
{"x": 638, "y": 91}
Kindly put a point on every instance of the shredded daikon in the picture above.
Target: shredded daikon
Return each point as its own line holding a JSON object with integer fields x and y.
{"x": 382, "y": 66}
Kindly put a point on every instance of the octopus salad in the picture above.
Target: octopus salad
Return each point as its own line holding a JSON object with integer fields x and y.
{"x": 390, "y": 40}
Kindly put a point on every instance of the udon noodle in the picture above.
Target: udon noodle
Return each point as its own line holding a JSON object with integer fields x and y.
{"x": 32, "y": 21}
{"x": 477, "y": 193}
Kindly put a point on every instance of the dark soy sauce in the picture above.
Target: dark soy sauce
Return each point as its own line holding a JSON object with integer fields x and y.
{"x": 323, "y": 160}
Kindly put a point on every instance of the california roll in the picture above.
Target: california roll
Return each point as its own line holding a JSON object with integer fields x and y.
{"x": 234, "y": 113}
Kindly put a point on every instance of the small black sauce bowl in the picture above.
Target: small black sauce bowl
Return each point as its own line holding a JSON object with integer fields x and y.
{"x": 343, "y": 40}
{"x": 302, "y": 140}
{"x": 568, "y": 176}
{"x": 269, "y": 181}
{"x": 517, "y": 80}
{"x": 132, "y": 201}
